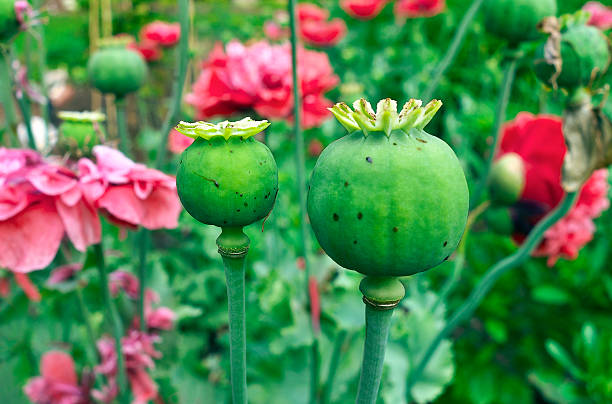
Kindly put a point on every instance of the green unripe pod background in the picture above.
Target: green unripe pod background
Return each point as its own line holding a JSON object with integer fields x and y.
{"x": 80, "y": 132}
{"x": 585, "y": 54}
{"x": 507, "y": 179}
{"x": 388, "y": 205}
{"x": 115, "y": 69}
{"x": 516, "y": 20}
{"x": 227, "y": 182}
{"x": 9, "y": 26}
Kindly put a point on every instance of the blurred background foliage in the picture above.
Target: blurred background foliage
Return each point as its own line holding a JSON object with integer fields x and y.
{"x": 543, "y": 334}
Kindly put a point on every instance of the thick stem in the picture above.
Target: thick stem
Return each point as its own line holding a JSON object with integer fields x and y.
{"x": 377, "y": 331}
{"x": 488, "y": 280}
{"x": 122, "y": 128}
{"x": 179, "y": 82}
{"x": 114, "y": 319}
{"x": 91, "y": 347}
{"x": 304, "y": 240}
{"x": 500, "y": 116}
{"x": 6, "y": 100}
{"x": 452, "y": 50}
{"x": 233, "y": 247}
{"x": 333, "y": 366}
{"x": 143, "y": 245}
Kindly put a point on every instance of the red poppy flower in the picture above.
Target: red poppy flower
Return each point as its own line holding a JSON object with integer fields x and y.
{"x": 419, "y": 8}
{"x": 162, "y": 33}
{"x": 601, "y": 16}
{"x": 363, "y": 9}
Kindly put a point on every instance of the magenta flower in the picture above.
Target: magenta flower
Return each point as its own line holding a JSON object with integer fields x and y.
{"x": 315, "y": 28}
{"x": 123, "y": 280}
{"x": 418, "y": 8}
{"x": 162, "y": 33}
{"x": 148, "y": 49}
{"x": 161, "y": 318}
{"x": 138, "y": 352}
{"x": 601, "y": 16}
{"x": 177, "y": 142}
{"x": 63, "y": 273}
{"x": 363, "y": 9}
{"x": 58, "y": 382}
{"x": 258, "y": 76}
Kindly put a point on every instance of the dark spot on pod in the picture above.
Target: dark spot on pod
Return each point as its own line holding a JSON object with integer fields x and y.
{"x": 447, "y": 257}
{"x": 236, "y": 192}
{"x": 225, "y": 222}
{"x": 265, "y": 196}
{"x": 354, "y": 241}
{"x": 394, "y": 144}
{"x": 254, "y": 211}
{"x": 418, "y": 148}
{"x": 231, "y": 151}
{"x": 369, "y": 159}
{"x": 359, "y": 215}
{"x": 346, "y": 183}
{"x": 445, "y": 244}
{"x": 241, "y": 195}
{"x": 237, "y": 210}
{"x": 421, "y": 140}
{"x": 395, "y": 230}
{"x": 336, "y": 217}
{"x": 246, "y": 204}
{"x": 254, "y": 197}
{"x": 260, "y": 163}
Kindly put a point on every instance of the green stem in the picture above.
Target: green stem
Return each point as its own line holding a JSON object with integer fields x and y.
{"x": 377, "y": 331}
{"x": 122, "y": 127}
{"x": 6, "y": 99}
{"x": 452, "y": 50}
{"x": 179, "y": 82}
{"x": 304, "y": 240}
{"x": 488, "y": 280}
{"x": 233, "y": 247}
{"x": 500, "y": 117}
{"x": 113, "y": 318}
{"x": 91, "y": 352}
{"x": 143, "y": 245}
{"x": 333, "y": 366}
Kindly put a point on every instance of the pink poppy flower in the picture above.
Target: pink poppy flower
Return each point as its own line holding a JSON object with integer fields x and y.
{"x": 177, "y": 142}
{"x": 58, "y": 382}
{"x": 161, "y": 32}
{"x": 149, "y": 50}
{"x": 161, "y": 318}
{"x": 539, "y": 142}
{"x": 314, "y": 27}
{"x": 418, "y": 8}
{"x": 136, "y": 195}
{"x": 315, "y": 304}
{"x": 363, "y": 9}
{"x": 274, "y": 31}
{"x": 63, "y": 273}
{"x": 258, "y": 77}
{"x": 138, "y": 352}
{"x": 601, "y": 16}
{"x": 123, "y": 280}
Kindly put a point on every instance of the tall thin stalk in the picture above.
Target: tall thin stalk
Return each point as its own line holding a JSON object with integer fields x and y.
{"x": 178, "y": 83}
{"x": 115, "y": 321}
{"x": 143, "y": 246}
{"x": 6, "y": 99}
{"x": 333, "y": 366}
{"x": 122, "y": 128}
{"x": 304, "y": 240}
{"x": 500, "y": 117}
{"x": 452, "y": 50}
{"x": 490, "y": 278}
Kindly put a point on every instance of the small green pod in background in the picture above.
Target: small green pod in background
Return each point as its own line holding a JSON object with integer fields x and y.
{"x": 507, "y": 179}
{"x": 115, "y": 69}
{"x": 388, "y": 199}
{"x": 516, "y": 20}
{"x": 80, "y": 132}
{"x": 226, "y": 177}
{"x": 9, "y": 25}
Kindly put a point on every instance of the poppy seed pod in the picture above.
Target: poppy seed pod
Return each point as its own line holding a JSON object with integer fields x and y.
{"x": 507, "y": 179}
{"x": 225, "y": 177}
{"x": 516, "y": 20}
{"x": 585, "y": 56}
{"x": 80, "y": 132}
{"x": 115, "y": 69}
{"x": 388, "y": 199}
{"x": 9, "y": 25}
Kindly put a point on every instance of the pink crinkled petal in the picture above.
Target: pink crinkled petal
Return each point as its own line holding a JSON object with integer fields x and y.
{"x": 144, "y": 388}
{"x": 13, "y": 199}
{"x": 114, "y": 165}
{"x": 81, "y": 222}
{"x": 121, "y": 203}
{"x": 52, "y": 180}
{"x": 161, "y": 209}
{"x": 30, "y": 240}
{"x": 57, "y": 366}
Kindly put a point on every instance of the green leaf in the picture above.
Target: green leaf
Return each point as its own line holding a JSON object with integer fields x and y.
{"x": 550, "y": 294}
{"x": 563, "y": 358}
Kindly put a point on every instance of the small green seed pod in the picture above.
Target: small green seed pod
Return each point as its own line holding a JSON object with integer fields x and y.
{"x": 227, "y": 178}
{"x": 115, "y": 69}
{"x": 388, "y": 199}
{"x": 80, "y": 132}
{"x": 516, "y": 20}
{"x": 9, "y": 25}
{"x": 585, "y": 56}
{"x": 507, "y": 179}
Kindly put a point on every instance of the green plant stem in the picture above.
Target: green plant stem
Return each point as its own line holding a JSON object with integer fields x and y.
{"x": 377, "y": 332}
{"x": 122, "y": 127}
{"x": 91, "y": 352}
{"x": 500, "y": 116}
{"x": 143, "y": 245}
{"x": 233, "y": 248}
{"x": 488, "y": 280}
{"x": 6, "y": 99}
{"x": 452, "y": 50}
{"x": 304, "y": 240}
{"x": 333, "y": 366}
{"x": 115, "y": 321}
{"x": 179, "y": 82}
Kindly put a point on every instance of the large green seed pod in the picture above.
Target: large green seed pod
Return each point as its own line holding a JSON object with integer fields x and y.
{"x": 9, "y": 26}
{"x": 388, "y": 199}
{"x": 115, "y": 69}
{"x": 585, "y": 56}
{"x": 516, "y": 20}
{"x": 80, "y": 132}
{"x": 227, "y": 178}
